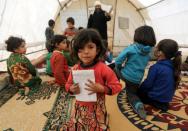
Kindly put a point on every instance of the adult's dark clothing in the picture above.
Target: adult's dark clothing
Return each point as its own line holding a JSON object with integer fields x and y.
{"x": 98, "y": 20}
{"x": 49, "y": 33}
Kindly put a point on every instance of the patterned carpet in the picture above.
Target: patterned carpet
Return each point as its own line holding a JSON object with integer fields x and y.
{"x": 60, "y": 114}
{"x": 175, "y": 119}
{"x": 50, "y": 108}
{"x": 7, "y": 93}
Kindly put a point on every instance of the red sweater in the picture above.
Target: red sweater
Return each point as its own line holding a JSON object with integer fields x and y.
{"x": 103, "y": 75}
{"x": 59, "y": 67}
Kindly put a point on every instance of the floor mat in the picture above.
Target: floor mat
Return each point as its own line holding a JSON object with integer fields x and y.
{"x": 60, "y": 114}
{"x": 7, "y": 93}
{"x": 44, "y": 92}
{"x": 27, "y": 114}
{"x": 175, "y": 119}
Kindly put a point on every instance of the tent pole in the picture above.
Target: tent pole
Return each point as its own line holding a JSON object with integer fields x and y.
{"x": 87, "y": 8}
{"x": 114, "y": 24}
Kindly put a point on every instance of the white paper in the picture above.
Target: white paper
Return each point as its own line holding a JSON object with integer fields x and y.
{"x": 81, "y": 77}
{"x": 107, "y": 8}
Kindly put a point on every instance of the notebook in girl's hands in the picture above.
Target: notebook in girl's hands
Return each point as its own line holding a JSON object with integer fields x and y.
{"x": 81, "y": 77}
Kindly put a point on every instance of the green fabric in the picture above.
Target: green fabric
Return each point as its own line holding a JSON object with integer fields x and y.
{"x": 22, "y": 71}
{"x": 70, "y": 61}
{"x": 48, "y": 66}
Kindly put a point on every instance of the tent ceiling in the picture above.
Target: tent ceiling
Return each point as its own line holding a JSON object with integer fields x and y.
{"x": 28, "y": 18}
{"x": 144, "y": 3}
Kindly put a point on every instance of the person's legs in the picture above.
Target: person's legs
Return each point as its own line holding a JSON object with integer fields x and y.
{"x": 134, "y": 100}
{"x": 47, "y": 44}
{"x": 147, "y": 100}
{"x": 131, "y": 91}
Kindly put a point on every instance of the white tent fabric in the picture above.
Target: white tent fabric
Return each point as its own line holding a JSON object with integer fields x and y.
{"x": 29, "y": 18}
{"x": 169, "y": 19}
{"x": 26, "y": 18}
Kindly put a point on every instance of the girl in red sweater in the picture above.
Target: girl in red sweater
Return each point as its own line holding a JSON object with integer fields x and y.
{"x": 58, "y": 61}
{"x": 91, "y": 116}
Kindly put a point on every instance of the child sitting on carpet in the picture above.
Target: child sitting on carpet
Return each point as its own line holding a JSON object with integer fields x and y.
{"x": 57, "y": 61}
{"x": 67, "y": 53}
{"x": 90, "y": 116}
{"x": 71, "y": 61}
{"x": 163, "y": 77}
{"x": 131, "y": 63}
{"x": 22, "y": 72}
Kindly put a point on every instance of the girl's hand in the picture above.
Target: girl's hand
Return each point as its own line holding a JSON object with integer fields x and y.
{"x": 75, "y": 89}
{"x": 94, "y": 87}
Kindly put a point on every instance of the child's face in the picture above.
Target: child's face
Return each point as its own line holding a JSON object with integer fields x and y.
{"x": 158, "y": 54}
{"x": 62, "y": 45}
{"x": 21, "y": 49}
{"x": 70, "y": 25}
{"x": 88, "y": 53}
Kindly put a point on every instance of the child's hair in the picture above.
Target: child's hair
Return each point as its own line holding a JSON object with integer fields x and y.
{"x": 51, "y": 22}
{"x": 13, "y": 43}
{"x": 170, "y": 50}
{"x": 56, "y": 40}
{"x": 85, "y": 36}
{"x": 145, "y": 35}
{"x": 80, "y": 28}
{"x": 71, "y": 20}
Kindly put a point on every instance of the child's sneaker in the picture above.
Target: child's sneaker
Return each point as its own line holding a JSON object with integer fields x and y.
{"x": 140, "y": 110}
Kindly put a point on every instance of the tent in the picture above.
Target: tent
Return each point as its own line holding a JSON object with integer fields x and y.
{"x": 29, "y": 18}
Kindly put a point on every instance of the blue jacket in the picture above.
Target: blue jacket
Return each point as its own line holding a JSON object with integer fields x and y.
{"x": 160, "y": 84}
{"x": 135, "y": 57}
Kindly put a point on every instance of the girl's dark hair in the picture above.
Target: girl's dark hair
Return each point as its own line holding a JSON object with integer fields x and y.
{"x": 170, "y": 50}
{"x": 71, "y": 20}
{"x": 80, "y": 28}
{"x": 13, "y": 43}
{"x": 85, "y": 36}
{"x": 56, "y": 40}
{"x": 145, "y": 35}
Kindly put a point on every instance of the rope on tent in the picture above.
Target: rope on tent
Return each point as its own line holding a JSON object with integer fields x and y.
{"x": 150, "y": 5}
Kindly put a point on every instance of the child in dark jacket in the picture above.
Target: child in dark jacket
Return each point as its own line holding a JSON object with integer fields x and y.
{"x": 163, "y": 77}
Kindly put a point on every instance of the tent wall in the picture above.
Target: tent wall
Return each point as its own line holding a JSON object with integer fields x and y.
{"x": 26, "y": 18}
{"x": 169, "y": 19}
{"x": 78, "y": 11}
{"x": 124, "y": 37}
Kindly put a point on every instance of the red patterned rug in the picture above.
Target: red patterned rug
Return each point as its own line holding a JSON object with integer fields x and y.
{"x": 175, "y": 119}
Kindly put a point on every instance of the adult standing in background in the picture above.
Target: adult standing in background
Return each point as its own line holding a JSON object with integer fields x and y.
{"x": 49, "y": 33}
{"x": 98, "y": 20}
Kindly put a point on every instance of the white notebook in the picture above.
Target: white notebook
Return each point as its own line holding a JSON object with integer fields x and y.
{"x": 81, "y": 77}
